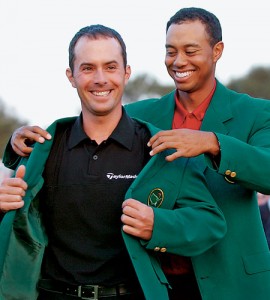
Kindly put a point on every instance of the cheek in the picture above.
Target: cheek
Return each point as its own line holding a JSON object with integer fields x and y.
{"x": 168, "y": 61}
{"x": 82, "y": 81}
{"x": 119, "y": 81}
{"x": 203, "y": 62}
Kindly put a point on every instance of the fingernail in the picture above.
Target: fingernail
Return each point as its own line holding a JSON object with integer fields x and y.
{"x": 41, "y": 139}
{"x": 48, "y": 136}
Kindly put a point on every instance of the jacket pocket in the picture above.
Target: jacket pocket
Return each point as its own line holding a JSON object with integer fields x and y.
{"x": 257, "y": 263}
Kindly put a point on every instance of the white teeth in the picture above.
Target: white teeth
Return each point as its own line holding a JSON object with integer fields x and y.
{"x": 183, "y": 74}
{"x": 105, "y": 93}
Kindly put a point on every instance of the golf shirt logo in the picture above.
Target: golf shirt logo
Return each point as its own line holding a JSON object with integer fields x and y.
{"x": 120, "y": 176}
{"x": 156, "y": 197}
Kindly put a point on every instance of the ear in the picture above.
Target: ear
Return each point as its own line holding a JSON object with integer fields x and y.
{"x": 217, "y": 51}
{"x": 70, "y": 77}
{"x": 128, "y": 73}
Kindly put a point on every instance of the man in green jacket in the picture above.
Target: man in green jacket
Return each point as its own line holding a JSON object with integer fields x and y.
{"x": 61, "y": 233}
{"x": 230, "y": 133}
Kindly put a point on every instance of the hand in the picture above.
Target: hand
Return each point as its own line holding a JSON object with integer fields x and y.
{"x": 186, "y": 142}
{"x": 138, "y": 219}
{"x": 23, "y": 136}
{"x": 12, "y": 191}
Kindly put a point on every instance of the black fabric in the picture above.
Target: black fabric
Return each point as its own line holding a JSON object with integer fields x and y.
{"x": 184, "y": 287}
{"x": 1, "y": 216}
{"x": 265, "y": 215}
{"x": 84, "y": 188}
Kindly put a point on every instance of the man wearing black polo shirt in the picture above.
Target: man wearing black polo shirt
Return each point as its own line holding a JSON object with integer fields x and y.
{"x": 84, "y": 174}
{"x": 75, "y": 185}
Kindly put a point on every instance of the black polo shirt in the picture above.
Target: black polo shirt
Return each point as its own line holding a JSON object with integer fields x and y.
{"x": 85, "y": 184}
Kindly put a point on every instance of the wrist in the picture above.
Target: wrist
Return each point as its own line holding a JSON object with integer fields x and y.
{"x": 214, "y": 146}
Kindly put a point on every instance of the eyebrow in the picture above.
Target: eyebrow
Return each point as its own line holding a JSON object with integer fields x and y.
{"x": 111, "y": 62}
{"x": 169, "y": 46}
{"x": 186, "y": 45}
{"x": 106, "y": 63}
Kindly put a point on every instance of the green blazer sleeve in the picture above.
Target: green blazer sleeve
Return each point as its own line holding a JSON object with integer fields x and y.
{"x": 242, "y": 125}
{"x": 10, "y": 158}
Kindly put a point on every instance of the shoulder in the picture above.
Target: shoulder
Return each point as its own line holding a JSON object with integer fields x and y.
{"x": 240, "y": 106}
{"x": 238, "y": 98}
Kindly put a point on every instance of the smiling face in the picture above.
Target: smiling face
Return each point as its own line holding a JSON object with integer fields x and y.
{"x": 190, "y": 59}
{"x": 99, "y": 75}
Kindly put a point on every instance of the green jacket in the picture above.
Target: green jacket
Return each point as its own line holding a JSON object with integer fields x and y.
{"x": 237, "y": 268}
{"x": 194, "y": 226}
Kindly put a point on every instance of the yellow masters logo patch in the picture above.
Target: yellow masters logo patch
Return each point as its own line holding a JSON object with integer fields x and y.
{"x": 156, "y": 197}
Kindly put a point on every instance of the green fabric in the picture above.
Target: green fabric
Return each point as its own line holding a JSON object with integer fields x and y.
{"x": 237, "y": 268}
{"x": 194, "y": 228}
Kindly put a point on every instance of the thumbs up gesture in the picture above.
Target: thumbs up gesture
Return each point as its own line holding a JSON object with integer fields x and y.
{"x": 12, "y": 191}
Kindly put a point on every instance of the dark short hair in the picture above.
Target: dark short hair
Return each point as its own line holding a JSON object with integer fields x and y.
{"x": 94, "y": 32}
{"x": 211, "y": 22}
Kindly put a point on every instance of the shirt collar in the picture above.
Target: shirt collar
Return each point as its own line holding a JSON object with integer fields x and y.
{"x": 198, "y": 112}
{"x": 123, "y": 133}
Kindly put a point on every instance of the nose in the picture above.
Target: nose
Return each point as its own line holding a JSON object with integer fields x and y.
{"x": 100, "y": 77}
{"x": 180, "y": 60}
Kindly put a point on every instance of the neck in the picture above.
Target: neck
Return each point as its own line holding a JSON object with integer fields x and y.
{"x": 191, "y": 100}
{"x": 99, "y": 128}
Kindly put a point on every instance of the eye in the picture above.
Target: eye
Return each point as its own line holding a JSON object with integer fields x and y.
{"x": 87, "y": 68}
{"x": 111, "y": 67}
{"x": 191, "y": 51}
{"x": 170, "y": 52}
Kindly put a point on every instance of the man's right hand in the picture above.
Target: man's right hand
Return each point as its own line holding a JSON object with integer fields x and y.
{"x": 12, "y": 191}
{"x": 23, "y": 137}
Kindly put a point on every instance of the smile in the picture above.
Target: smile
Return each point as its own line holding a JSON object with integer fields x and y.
{"x": 183, "y": 74}
{"x": 103, "y": 93}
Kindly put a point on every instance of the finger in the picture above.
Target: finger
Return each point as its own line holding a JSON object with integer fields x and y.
{"x": 9, "y": 185}
{"x": 30, "y": 134}
{"x": 12, "y": 186}
{"x": 128, "y": 220}
{"x": 163, "y": 139}
{"x": 155, "y": 137}
{"x": 11, "y": 197}
{"x": 136, "y": 230}
{"x": 130, "y": 230}
{"x": 130, "y": 211}
{"x": 173, "y": 156}
{"x": 34, "y": 134}
{"x": 129, "y": 225}
{"x": 20, "y": 172}
{"x": 43, "y": 133}
{"x": 6, "y": 206}
{"x": 12, "y": 193}
{"x": 25, "y": 150}
{"x": 130, "y": 202}
{"x": 161, "y": 147}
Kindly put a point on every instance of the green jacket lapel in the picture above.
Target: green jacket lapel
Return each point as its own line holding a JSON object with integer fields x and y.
{"x": 163, "y": 111}
{"x": 218, "y": 112}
